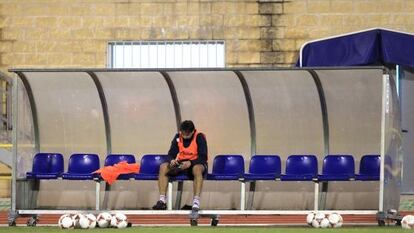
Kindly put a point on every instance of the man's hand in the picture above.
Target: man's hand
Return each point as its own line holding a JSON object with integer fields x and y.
{"x": 174, "y": 163}
{"x": 185, "y": 165}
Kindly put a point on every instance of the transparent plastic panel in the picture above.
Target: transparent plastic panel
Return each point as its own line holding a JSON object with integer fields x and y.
{"x": 25, "y": 143}
{"x": 288, "y": 120}
{"x": 69, "y": 113}
{"x": 393, "y": 149}
{"x": 407, "y": 118}
{"x": 25, "y": 133}
{"x": 352, "y": 195}
{"x": 269, "y": 195}
{"x": 66, "y": 195}
{"x": 134, "y": 195}
{"x": 141, "y": 112}
{"x": 287, "y": 112}
{"x": 142, "y": 120}
{"x": 70, "y": 121}
{"x": 215, "y": 101}
{"x": 353, "y": 100}
{"x": 354, "y": 105}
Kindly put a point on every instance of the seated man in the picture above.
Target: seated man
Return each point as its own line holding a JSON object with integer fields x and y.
{"x": 188, "y": 155}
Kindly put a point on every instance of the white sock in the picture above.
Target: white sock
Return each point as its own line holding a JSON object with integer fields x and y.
{"x": 196, "y": 201}
{"x": 163, "y": 198}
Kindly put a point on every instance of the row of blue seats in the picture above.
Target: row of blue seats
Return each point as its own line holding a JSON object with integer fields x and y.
{"x": 225, "y": 167}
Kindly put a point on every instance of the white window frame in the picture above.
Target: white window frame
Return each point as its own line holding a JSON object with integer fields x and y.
{"x": 167, "y": 54}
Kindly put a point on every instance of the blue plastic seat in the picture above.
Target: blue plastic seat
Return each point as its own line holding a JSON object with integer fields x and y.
{"x": 46, "y": 166}
{"x": 337, "y": 168}
{"x": 150, "y": 166}
{"x": 369, "y": 168}
{"x": 81, "y": 167}
{"x": 227, "y": 167}
{"x": 264, "y": 167}
{"x": 301, "y": 168}
{"x": 113, "y": 159}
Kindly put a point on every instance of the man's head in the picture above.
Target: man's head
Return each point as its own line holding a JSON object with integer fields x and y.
{"x": 187, "y": 129}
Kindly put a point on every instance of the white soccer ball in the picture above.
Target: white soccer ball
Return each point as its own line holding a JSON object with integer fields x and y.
{"x": 66, "y": 222}
{"x": 335, "y": 220}
{"x": 319, "y": 216}
{"x": 83, "y": 222}
{"x": 315, "y": 223}
{"x": 325, "y": 223}
{"x": 88, "y": 221}
{"x": 119, "y": 220}
{"x": 309, "y": 218}
{"x": 317, "y": 219}
{"x": 407, "y": 222}
{"x": 76, "y": 218}
{"x": 103, "y": 219}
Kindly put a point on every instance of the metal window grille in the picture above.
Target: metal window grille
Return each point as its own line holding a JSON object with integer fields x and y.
{"x": 166, "y": 54}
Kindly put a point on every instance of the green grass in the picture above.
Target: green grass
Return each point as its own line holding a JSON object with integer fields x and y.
{"x": 202, "y": 229}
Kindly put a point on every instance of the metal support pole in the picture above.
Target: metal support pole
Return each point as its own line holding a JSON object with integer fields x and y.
{"x": 14, "y": 141}
{"x": 97, "y": 194}
{"x": 316, "y": 198}
{"x": 382, "y": 149}
{"x": 242, "y": 195}
{"x": 169, "y": 195}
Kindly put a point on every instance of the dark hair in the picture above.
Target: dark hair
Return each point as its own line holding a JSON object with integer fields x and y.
{"x": 187, "y": 126}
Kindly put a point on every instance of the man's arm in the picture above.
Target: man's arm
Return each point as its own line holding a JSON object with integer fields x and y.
{"x": 172, "y": 153}
{"x": 202, "y": 150}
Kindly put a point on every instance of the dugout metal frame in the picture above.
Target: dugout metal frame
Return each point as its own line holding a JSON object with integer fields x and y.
{"x": 390, "y": 138}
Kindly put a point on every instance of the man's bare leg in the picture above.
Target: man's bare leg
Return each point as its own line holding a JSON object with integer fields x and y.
{"x": 198, "y": 170}
{"x": 163, "y": 179}
{"x": 162, "y": 187}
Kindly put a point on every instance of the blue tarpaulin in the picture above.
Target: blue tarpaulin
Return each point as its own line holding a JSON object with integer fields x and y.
{"x": 372, "y": 47}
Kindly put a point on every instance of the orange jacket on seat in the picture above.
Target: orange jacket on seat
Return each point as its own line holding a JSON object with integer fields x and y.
{"x": 111, "y": 173}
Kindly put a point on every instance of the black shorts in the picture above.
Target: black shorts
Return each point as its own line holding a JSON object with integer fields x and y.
{"x": 189, "y": 171}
